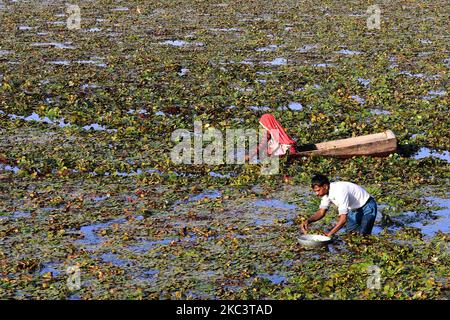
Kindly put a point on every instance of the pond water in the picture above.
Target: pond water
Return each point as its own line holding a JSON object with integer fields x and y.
{"x": 364, "y": 82}
{"x": 271, "y": 47}
{"x": 274, "y": 203}
{"x": 297, "y": 106}
{"x": 115, "y": 260}
{"x": 259, "y": 108}
{"x": 211, "y": 194}
{"x": 323, "y": 65}
{"x": 274, "y": 278}
{"x": 20, "y": 214}
{"x": 120, "y": 9}
{"x": 60, "y": 122}
{"x": 183, "y": 72}
{"x": 440, "y": 221}
{"x": 429, "y": 225}
{"x": 52, "y": 267}
{"x": 276, "y": 62}
{"x": 90, "y": 232}
{"x": 14, "y": 169}
{"x": 219, "y": 175}
{"x": 379, "y": 112}
{"x": 348, "y": 52}
{"x": 432, "y": 94}
{"x": 58, "y": 45}
{"x": 255, "y": 45}
{"x": 359, "y": 99}
{"x": 146, "y": 245}
{"x": 181, "y": 43}
{"x": 93, "y": 62}
{"x": 60, "y": 62}
{"x": 426, "y": 152}
{"x": 307, "y": 48}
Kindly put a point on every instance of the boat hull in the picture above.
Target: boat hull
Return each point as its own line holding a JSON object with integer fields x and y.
{"x": 378, "y": 144}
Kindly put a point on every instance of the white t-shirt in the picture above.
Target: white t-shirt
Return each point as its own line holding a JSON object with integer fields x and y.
{"x": 346, "y": 196}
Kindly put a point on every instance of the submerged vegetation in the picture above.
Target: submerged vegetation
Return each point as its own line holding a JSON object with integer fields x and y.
{"x": 86, "y": 118}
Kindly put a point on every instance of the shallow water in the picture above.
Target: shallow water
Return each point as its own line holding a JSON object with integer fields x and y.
{"x": 148, "y": 244}
{"x": 58, "y": 45}
{"x": 14, "y": 169}
{"x": 211, "y": 194}
{"x": 359, "y": 99}
{"x": 20, "y": 214}
{"x": 60, "y": 122}
{"x": 380, "y": 112}
{"x": 126, "y": 89}
{"x": 274, "y": 203}
{"x": 114, "y": 260}
{"x": 89, "y": 232}
{"x": 274, "y": 278}
{"x": 219, "y": 175}
{"x": 307, "y": 48}
{"x": 93, "y": 62}
{"x": 323, "y": 65}
{"x": 120, "y": 9}
{"x": 297, "y": 106}
{"x": 181, "y": 43}
{"x": 259, "y": 108}
{"x": 276, "y": 62}
{"x": 348, "y": 52}
{"x": 268, "y": 48}
{"x": 364, "y": 82}
{"x": 60, "y": 62}
{"x": 428, "y": 225}
{"x": 432, "y": 94}
{"x": 426, "y": 152}
{"x": 50, "y": 267}
{"x": 441, "y": 222}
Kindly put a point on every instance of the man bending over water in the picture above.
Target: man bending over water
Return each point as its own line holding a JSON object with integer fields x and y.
{"x": 356, "y": 206}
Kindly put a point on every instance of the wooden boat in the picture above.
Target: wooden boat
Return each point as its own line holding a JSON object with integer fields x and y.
{"x": 378, "y": 144}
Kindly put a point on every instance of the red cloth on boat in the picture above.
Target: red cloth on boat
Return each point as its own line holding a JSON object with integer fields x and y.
{"x": 276, "y": 131}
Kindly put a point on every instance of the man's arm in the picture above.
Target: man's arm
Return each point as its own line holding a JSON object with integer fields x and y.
{"x": 341, "y": 221}
{"x": 317, "y": 216}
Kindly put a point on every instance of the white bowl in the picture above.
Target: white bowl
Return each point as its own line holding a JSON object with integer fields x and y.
{"x": 314, "y": 240}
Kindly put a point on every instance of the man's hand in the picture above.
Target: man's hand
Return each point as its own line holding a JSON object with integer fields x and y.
{"x": 304, "y": 226}
{"x": 341, "y": 221}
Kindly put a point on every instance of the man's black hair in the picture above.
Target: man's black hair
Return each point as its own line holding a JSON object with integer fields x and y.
{"x": 319, "y": 180}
